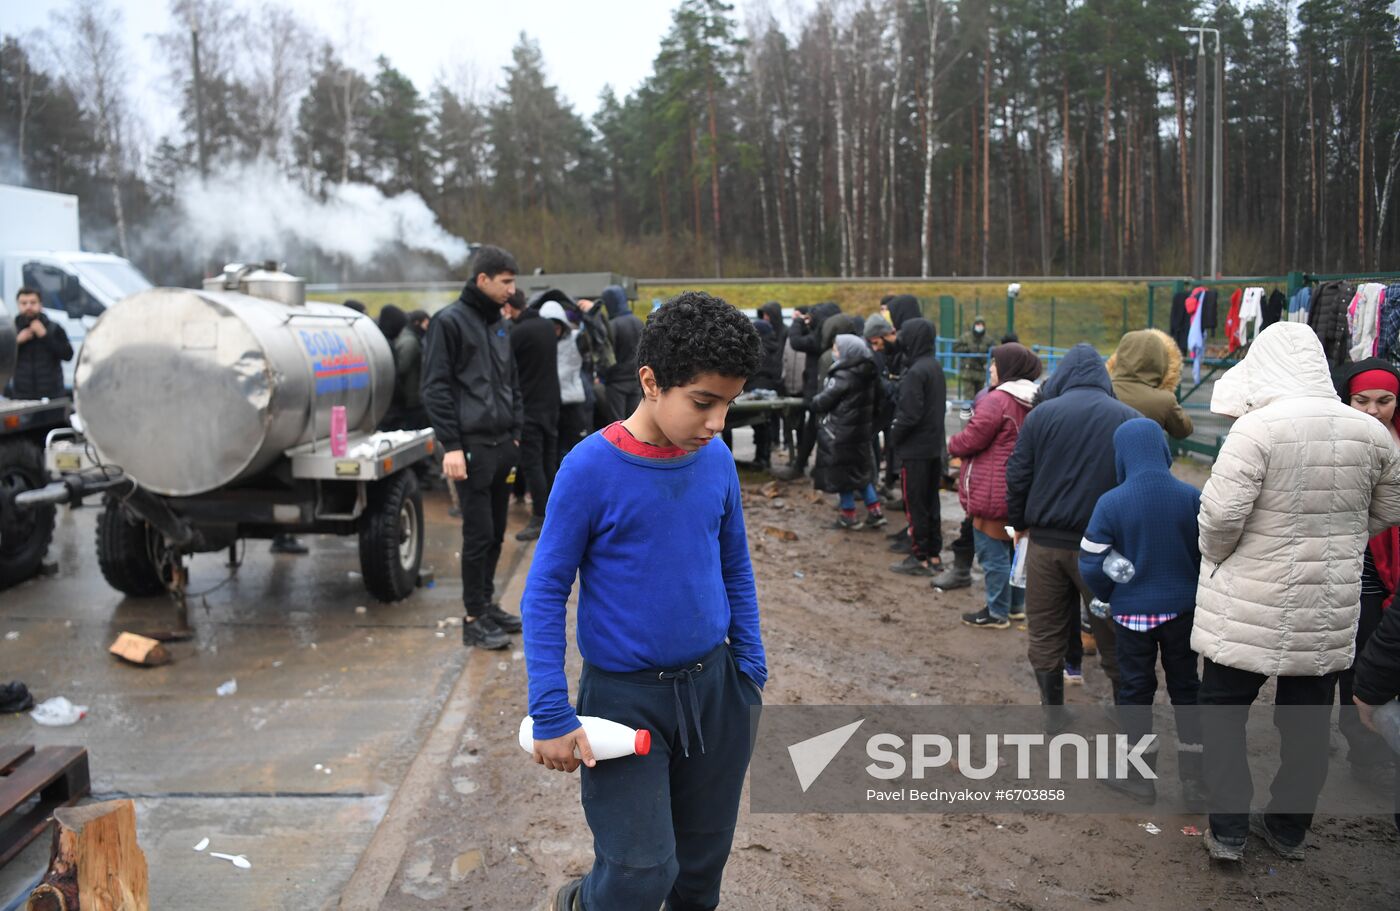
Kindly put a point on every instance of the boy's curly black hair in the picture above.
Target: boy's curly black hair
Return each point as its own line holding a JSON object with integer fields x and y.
{"x": 695, "y": 333}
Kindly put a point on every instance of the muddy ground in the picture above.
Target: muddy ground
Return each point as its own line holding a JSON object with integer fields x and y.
{"x": 499, "y": 832}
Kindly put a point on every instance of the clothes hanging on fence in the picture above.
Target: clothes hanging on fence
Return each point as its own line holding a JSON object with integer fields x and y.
{"x": 1328, "y": 318}
{"x": 1196, "y": 340}
{"x": 1180, "y": 320}
{"x": 1363, "y": 319}
{"x": 1209, "y": 302}
{"x": 1273, "y": 308}
{"x": 1388, "y": 344}
{"x": 1299, "y": 304}
{"x": 1232, "y": 320}
{"x": 1250, "y": 315}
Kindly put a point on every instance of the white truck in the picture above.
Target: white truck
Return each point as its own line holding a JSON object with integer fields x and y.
{"x": 39, "y": 248}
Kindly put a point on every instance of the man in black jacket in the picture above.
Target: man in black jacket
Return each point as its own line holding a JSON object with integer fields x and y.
{"x": 43, "y": 347}
{"x": 1062, "y": 464}
{"x": 917, "y": 433}
{"x": 472, "y": 394}
{"x": 534, "y": 343}
{"x": 624, "y": 388}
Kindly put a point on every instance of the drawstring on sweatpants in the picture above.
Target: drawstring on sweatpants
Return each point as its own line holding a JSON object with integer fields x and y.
{"x": 676, "y": 677}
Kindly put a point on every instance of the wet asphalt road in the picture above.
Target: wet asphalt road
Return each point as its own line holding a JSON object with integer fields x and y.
{"x": 318, "y": 683}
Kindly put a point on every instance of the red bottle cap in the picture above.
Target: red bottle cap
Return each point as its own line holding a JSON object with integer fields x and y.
{"x": 643, "y": 743}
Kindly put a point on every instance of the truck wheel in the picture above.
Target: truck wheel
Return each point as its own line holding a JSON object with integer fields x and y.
{"x": 391, "y": 537}
{"x": 24, "y": 533}
{"x": 126, "y": 552}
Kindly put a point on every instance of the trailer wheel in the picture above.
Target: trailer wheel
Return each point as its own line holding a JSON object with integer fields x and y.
{"x": 24, "y": 533}
{"x": 126, "y": 552}
{"x": 391, "y": 537}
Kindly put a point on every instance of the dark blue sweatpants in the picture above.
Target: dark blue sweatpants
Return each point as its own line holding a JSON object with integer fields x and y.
{"x": 663, "y": 823}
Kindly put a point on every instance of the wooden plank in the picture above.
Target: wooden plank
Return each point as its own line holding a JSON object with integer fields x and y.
{"x": 12, "y": 753}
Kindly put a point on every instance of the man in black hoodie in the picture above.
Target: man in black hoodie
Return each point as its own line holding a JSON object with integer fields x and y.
{"x": 917, "y": 433}
{"x": 624, "y": 388}
{"x": 534, "y": 344}
{"x": 1062, "y": 464}
{"x": 472, "y": 394}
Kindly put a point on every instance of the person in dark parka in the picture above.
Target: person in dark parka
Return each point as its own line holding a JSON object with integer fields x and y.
{"x": 847, "y": 406}
{"x": 917, "y": 431}
{"x": 535, "y": 345}
{"x": 804, "y": 335}
{"x": 624, "y": 388}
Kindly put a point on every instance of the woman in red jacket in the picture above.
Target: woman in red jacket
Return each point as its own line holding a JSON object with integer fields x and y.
{"x": 984, "y": 446}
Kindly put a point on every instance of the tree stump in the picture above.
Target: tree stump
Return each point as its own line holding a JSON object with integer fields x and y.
{"x": 95, "y": 863}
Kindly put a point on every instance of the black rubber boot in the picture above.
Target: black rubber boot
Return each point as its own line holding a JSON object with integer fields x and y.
{"x": 1188, "y": 772}
{"x": 1136, "y": 785}
{"x": 1052, "y": 698}
{"x": 959, "y": 575}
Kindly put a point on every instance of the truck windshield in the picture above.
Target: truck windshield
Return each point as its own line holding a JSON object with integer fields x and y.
{"x": 116, "y": 279}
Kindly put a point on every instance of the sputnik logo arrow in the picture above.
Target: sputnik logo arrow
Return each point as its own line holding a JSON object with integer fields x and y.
{"x": 810, "y": 757}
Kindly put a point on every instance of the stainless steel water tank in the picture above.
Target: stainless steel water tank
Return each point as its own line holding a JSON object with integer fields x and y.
{"x": 9, "y": 348}
{"x": 189, "y": 391}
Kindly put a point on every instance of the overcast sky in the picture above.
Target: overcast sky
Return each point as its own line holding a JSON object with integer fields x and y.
{"x": 585, "y": 45}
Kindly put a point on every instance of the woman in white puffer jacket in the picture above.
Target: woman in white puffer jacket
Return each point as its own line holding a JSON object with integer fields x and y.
{"x": 1301, "y": 484}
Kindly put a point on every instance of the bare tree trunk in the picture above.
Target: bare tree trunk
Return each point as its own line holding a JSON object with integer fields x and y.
{"x": 780, "y": 196}
{"x": 1040, "y": 187}
{"x": 986, "y": 153}
{"x": 1387, "y": 193}
{"x": 767, "y": 223}
{"x": 1105, "y": 164}
{"x": 957, "y": 217}
{"x": 843, "y": 201}
{"x": 1312, "y": 175}
{"x": 1361, "y": 154}
{"x": 1283, "y": 179}
{"x": 891, "y": 216}
{"x": 934, "y": 14}
{"x": 695, "y": 196}
{"x": 1067, "y": 157}
{"x": 1184, "y": 157}
{"x": 714, "y": 180}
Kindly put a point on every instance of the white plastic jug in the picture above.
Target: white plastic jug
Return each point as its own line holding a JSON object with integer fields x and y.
{"x": 608, "y": 739}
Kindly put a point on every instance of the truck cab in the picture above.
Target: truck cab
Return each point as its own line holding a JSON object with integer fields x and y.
{"x": 76, "y": 288}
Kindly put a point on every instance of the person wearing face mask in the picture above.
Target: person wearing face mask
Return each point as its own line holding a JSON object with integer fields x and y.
{"x": 1372, "y": 386}
{"x": 973, "y": 370}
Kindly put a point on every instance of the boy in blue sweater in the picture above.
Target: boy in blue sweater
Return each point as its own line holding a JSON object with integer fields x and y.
{"x": 1150, "y": 518}
{"x": 647, "y": 512}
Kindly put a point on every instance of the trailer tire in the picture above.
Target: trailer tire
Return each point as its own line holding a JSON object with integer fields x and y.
{"x": 24, "y": 534}
{"x": 391, "y": 537}
{"x": 126, "y": 552}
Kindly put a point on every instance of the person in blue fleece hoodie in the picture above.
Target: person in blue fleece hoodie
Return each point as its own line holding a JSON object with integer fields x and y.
{"x": 1150, "y": 518}
{"x": 647, "y": 513}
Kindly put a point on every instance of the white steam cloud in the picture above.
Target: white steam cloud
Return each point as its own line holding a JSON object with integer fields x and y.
{"x": 257, "y": 207}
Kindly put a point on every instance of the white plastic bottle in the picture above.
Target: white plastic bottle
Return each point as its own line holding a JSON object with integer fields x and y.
{"x": 608, "y": 739}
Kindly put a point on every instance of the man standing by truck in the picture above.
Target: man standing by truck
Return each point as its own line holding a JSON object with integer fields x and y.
{"x": 43, "y": 347}
{"x": 472, "y": 395}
